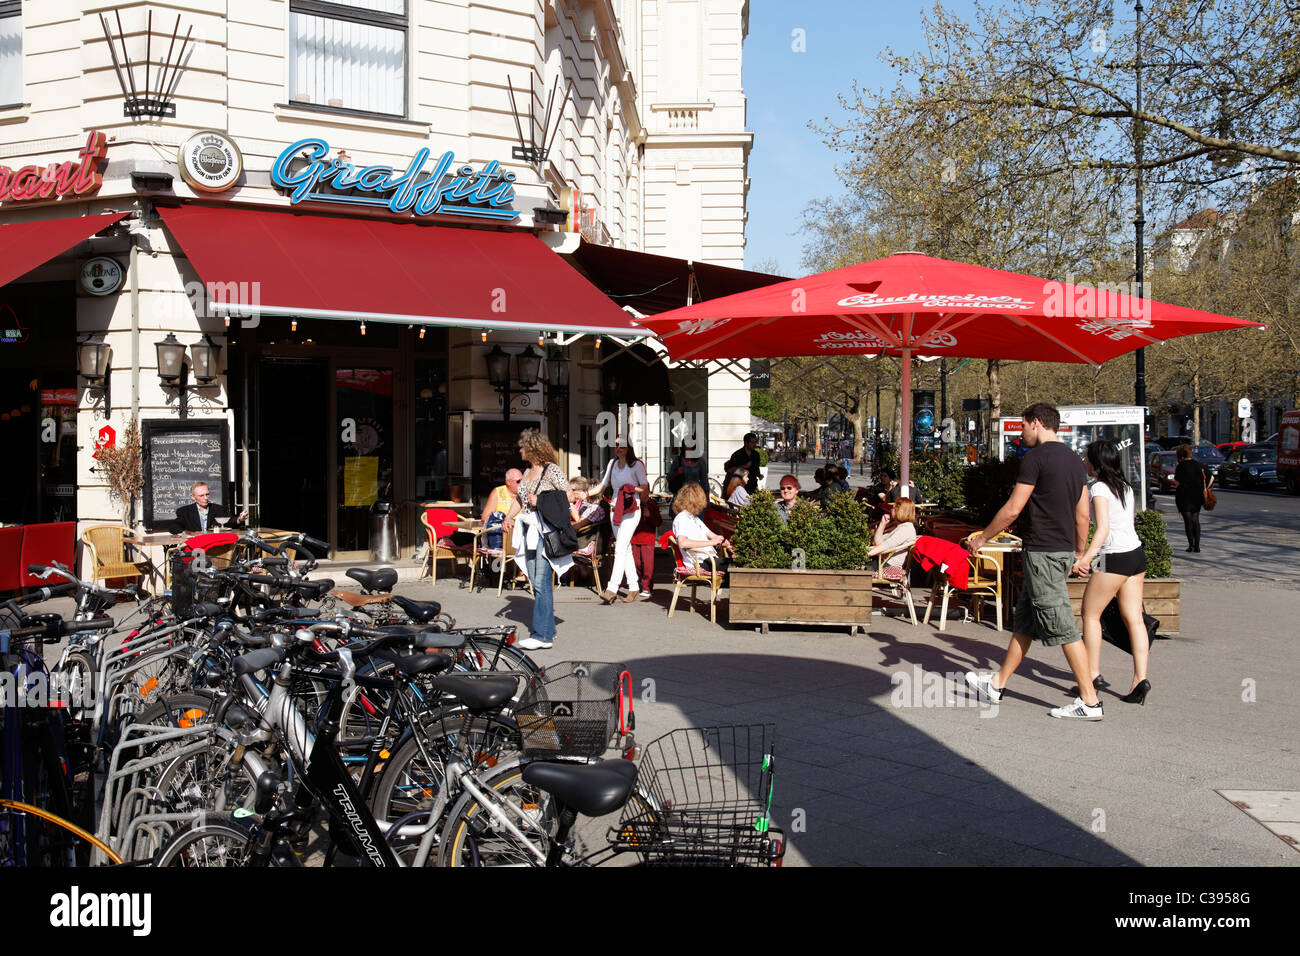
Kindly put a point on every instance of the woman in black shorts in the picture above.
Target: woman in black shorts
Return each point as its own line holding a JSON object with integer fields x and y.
{"x": 1121, "y": 566}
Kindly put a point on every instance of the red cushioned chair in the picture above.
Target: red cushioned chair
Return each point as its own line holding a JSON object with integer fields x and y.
{"x": 11, "y": 542}
{"x": 45, "y": 544}
{"x": 438, "y": 526}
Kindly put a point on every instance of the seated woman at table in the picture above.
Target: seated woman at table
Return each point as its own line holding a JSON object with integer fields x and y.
{"x": 734, "y": 491}
{"x": 691, "y": 533}
{"x": 897, "y": 530}
{"x": 585, "y": 515}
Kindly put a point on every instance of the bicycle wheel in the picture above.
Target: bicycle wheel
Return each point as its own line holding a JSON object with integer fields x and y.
{"x": 78, "y": 675}
{"x": 474, "y": 837}
{"x": 177, "y": 710}
{"x": 222, "y": 839}
{"x": 207, "y": 780}
{"x": 492, "y": 653}
{"x": 414, "y": 776}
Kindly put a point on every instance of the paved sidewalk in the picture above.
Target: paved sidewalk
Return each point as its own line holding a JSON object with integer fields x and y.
{"x": 871, "y": 771}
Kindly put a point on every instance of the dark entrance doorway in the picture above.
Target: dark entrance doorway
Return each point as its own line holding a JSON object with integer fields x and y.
{"x": 293, "y": 400}
{"x": 38, "y": 402}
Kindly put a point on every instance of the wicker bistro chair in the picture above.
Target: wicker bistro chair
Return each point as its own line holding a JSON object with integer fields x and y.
{"x": 684, "y": 575}
{"x": 985, "y": 581}
{"x": 895, "y": 580}
{"x": 591, "y": 550}
{"x": 437, "y": 526}
{"x": 106, "y": 545}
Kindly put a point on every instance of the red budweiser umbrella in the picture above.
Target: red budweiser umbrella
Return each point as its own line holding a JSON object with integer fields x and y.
{"x": 910, "y": 304}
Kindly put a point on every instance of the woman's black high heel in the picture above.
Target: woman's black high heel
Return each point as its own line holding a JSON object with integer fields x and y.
{"x": 1138, "y": 695}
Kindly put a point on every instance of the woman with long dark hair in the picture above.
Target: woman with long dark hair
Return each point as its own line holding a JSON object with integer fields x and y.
{"x": 1121, "y": 566}
{"x": 1191, "y": 479}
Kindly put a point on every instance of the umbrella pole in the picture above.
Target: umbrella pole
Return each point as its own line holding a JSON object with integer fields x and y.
{"x": 905, "y": 421}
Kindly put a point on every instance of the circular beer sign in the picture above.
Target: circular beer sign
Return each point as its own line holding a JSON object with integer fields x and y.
{"x": 210, "y": 161}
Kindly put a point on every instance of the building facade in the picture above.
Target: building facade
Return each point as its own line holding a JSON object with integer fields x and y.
{"x": 340, "y": 209}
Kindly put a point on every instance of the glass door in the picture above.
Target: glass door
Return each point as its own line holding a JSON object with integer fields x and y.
{"x": 363, "y": 401}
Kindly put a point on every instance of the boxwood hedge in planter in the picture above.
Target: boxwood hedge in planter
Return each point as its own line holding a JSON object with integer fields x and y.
{"x": 806, "y": 571}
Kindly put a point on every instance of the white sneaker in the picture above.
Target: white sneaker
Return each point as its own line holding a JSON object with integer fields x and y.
{"x": 982, "y": 684}
{"x": 533, "y": 644}
{"x": 1078, "y": 710}
{"x": 645, "y": 595}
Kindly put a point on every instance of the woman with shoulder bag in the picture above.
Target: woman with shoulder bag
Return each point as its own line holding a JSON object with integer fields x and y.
{"x": 1192, "y": 480}
{"x": 528, "y": 534}
{"x": 625, "y": 477}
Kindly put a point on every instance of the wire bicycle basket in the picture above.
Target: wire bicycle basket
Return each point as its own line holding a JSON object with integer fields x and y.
{"x": 572, "y": 709}
{"x": 711, "y": 795}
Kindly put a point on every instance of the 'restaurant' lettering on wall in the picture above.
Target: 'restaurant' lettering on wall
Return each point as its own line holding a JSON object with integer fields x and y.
{"x": 57, "y": 180}
{"x": 308, "y": 172}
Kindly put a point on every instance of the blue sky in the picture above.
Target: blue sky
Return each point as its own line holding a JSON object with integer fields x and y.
{"x": 789, "y": 165}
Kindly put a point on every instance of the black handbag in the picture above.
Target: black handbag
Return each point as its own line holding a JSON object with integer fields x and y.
{"x": 1114, "y": 631}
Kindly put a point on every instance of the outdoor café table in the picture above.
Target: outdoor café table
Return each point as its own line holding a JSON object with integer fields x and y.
{"x": 1005, "y": 544}
{"x": 465, "y": 507}
{"x": 158, "y": 544}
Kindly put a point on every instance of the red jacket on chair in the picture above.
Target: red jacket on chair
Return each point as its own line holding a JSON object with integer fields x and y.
{"x": 951, "y": 558}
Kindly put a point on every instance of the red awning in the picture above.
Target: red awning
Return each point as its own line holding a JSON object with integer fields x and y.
{"x": 26, "y": 245}
{"x": 278, "y": 263}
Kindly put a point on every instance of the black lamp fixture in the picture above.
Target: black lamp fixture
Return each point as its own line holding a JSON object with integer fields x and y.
{"x": 529, "y": 364}
{"x": 204, "y": 354}
{"x": 557, "y": 371}
{"x": 92, "y": 364}
{"x": 174, "y": 370}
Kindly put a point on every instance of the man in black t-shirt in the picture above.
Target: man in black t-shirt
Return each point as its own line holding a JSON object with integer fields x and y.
{"x": 1051, "y": 490}
{"x": 747, "y": 457}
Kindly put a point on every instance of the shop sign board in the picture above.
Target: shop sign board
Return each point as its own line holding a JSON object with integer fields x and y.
{"x": 107, "y": 438}
{"x": 176, "y": 455}
{"x": 57, "y": 180}
{"x": 306, "y": 170}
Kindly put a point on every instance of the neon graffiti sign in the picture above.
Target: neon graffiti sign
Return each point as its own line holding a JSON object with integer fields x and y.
{"x": 306, "y": 170}
{"x": 57, "y": 180}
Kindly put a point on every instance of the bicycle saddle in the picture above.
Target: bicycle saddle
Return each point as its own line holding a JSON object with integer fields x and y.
{"x": 413, "y": 665}
{"x": 422, "y": 612}
{"x": 381, "y": 579}
{"x": 591, "y": 789}
{"x": 477, "y": 693}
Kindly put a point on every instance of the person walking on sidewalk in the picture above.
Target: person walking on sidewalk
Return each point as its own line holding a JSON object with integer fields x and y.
{"x": 1122, "y": 569}
{"x": 1051, "y": 490}
{"x": 1191, "y": 481}
{"x": 625, "y": 477}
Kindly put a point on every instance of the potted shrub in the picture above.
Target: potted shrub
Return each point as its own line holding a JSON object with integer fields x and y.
{"x": 809, "y": 571}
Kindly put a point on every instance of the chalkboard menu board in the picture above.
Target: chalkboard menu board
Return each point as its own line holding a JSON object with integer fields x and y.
{"x": 176, "y": 455}
{"x": 496, "y": 451}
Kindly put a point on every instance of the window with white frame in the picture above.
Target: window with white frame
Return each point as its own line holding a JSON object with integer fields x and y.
{"x": 11, "y": 52}
{"x": 349, "y": 54}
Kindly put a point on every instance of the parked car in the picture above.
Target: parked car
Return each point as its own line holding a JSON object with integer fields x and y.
{"x": 1228, "y": 447}
{"x": 1160, "y": 470}
{"x": 1249, "y": 468}
{"x": 1209, "y": 456}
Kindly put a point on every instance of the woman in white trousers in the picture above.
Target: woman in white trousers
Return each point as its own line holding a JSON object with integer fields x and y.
{"x": 624, "y": 470}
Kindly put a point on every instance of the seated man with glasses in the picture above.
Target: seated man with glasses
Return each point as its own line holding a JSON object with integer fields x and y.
{"x": 789, "y": 494}
{"x": 202, "y": 516}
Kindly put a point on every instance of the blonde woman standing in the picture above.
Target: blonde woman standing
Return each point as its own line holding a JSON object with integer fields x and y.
{"x": 625, "y": 477}
{"x": 543, "y": 475}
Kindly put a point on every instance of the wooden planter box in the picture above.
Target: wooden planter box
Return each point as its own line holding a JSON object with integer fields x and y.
{"x": 816, "y": 598}
{"x": 1160, "y": 597}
